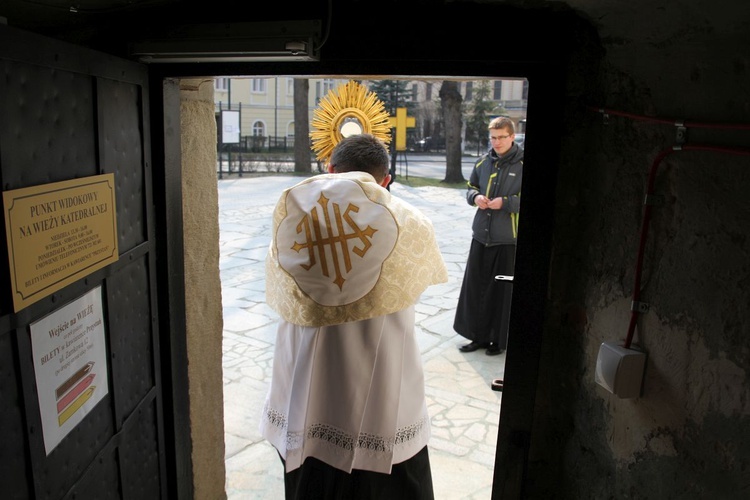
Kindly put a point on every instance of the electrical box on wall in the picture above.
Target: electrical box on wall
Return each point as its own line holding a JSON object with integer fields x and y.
{"x": 620, "y": 370}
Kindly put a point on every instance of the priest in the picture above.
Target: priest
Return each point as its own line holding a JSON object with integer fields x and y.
{"x": 346, "y": 407}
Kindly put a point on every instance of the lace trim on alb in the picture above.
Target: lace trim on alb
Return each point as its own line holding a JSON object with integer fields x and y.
{"x": 275, "y": 418}
{"x": 343, "y": 440}
{"x": 410, "y": 432}
{"x": 331, "y": 435}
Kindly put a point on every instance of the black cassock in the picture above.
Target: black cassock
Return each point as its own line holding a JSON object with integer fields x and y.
{"x": 483, "y": 310}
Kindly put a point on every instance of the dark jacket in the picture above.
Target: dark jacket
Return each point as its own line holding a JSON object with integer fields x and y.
{"x": 495, "y": 176}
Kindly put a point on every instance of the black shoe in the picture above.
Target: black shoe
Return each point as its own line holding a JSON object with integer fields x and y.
{"x": 497, "y": 384}
{"x": 473, "y": 346}
{"x": 493, "y": 350}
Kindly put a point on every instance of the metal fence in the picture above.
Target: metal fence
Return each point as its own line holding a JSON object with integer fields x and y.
{"x": 262, "y": 144}
{"x": 259, "y": 154}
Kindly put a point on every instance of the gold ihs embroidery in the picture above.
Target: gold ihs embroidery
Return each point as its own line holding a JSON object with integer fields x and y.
{"x": 335, "y": 238}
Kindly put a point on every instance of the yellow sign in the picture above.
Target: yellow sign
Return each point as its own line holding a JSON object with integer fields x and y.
{"x": 58, "y": 233}
{"x": 401, "y": 122}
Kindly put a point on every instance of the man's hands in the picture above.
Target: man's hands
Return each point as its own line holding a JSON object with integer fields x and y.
{"x": 485, "y": 203}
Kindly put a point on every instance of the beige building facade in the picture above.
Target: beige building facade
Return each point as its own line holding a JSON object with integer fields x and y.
{"x": 266, "y": 105}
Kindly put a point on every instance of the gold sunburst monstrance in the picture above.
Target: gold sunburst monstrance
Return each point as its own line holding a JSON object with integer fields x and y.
{"x": 349, "y": 109}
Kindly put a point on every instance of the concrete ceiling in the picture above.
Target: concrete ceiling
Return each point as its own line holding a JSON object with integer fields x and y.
{"x": 108, "y": 25}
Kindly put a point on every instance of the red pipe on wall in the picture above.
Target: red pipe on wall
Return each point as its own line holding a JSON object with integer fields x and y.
{"x": 650, "y": 190}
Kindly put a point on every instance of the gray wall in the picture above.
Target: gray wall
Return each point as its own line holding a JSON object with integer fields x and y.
{"x": 686, "y": 436}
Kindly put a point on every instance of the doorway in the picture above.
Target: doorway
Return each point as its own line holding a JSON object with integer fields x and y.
{"x": 463, "y": 407}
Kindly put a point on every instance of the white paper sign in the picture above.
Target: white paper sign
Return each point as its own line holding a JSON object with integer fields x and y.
{"x": 230, "y": 126}
{"x": 70, "y": 363}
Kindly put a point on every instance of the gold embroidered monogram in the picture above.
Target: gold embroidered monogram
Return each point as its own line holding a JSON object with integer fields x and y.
{"x": 333, "y": 236}
{"x": 342, "y": 229}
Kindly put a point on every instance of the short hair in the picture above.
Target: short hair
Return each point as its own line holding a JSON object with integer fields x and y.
{"x": 361, "y": 153}
{"x": 502, "y": 122}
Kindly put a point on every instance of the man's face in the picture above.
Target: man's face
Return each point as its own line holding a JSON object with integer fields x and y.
{"x": 501, "y": 140}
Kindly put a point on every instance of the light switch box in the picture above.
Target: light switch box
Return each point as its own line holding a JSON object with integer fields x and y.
{"x": 620, "y": 370}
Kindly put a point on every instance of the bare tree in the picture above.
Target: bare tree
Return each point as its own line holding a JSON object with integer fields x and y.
{"x": 451, "y": 101}
{"x": 481, "y": 108}
{"x": 302, "y": 161}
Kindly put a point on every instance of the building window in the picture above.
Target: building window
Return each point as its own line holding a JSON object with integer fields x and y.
{"x": 414, "y": 92}
{"x": 259, "y": 129}
{"x": 525, "y": 92}
{"x": 428, "y": 92}
{"x": 497, "y": 91}
{"x": 258, "y": 86}
{"x": 290, "y": 86}
{"x": 221, "y": 83}
{"x": 469, "y": 91}
{"x": 322, "y": 87}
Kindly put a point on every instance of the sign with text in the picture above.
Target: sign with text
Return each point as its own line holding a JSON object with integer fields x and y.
{"x": 230, "y": 127}
{"x": 70, "y": 364}
{"x": 58, "y": 233}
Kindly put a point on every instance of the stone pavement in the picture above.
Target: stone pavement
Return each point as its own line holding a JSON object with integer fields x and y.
{"x": 463, "y": 407}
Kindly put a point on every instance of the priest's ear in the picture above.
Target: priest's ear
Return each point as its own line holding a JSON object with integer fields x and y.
{"x": 386, "y": 181}
{"x": 331, "y": 169}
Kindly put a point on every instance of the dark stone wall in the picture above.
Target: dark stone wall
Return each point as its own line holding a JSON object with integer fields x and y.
{"x": 683, "y": 437}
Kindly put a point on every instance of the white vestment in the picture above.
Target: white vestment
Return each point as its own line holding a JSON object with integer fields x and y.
{"x": 345, "y": 267}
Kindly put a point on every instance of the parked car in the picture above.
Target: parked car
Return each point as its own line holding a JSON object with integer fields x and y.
{"x": 520, "y": 139}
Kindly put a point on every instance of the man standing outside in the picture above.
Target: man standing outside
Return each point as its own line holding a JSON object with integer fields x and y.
{"x": 346, "y": 409}
{"x": 494, "y": 187}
